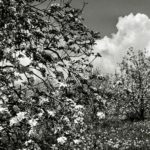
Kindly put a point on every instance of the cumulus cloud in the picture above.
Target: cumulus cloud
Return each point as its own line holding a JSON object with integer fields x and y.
{"x": 132, "y": 31}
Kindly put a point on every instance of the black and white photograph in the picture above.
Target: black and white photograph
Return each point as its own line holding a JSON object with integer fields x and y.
{"x": 74, "y": 74}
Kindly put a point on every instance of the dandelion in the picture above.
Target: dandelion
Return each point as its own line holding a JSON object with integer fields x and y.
{"x": 62, "y": 140}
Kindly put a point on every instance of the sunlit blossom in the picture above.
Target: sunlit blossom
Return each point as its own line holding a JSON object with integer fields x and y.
{"x": 78, "y": 120}
{"x": 2, "y": 110}
{"x": 32, "y": 132}
{"x": 77, "y": 141}
{"x": 62, "y": 140}
{"x": 55, "y": 4}
{"x": 51, "y": 113}
{"x": 20, "y": 116}
{"x": 62, "y": 85}
{"x": 33, "y": 122}
{"x": 43, "y": 100}
{"x": 1, "y": 128}
{"x": 100, "y": 115}
{"x": 79, "y": 107}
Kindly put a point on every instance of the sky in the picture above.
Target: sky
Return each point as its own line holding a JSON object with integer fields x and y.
{"x": 102, "y": 15}
{"x": 122, "y": 24}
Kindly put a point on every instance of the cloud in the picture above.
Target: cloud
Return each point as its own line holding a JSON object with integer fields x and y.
{"x": 132, "y": 31}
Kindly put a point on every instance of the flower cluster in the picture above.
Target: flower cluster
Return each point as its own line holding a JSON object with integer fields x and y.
{"x": 62, "y": 140}
{"x": 15, "y": 120}
{"x": 100, "y": 115}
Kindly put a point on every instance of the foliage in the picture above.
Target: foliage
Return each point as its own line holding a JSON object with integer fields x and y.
{"x": 132, "y": 86}
{"x": 38, "y": 48}
{"x": 49, "y": 96}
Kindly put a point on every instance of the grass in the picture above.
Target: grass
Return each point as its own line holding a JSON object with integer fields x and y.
{"x": 124, "y": 135}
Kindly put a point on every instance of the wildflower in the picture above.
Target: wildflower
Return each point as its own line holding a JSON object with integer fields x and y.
{"x": 100, "y": 115}
{"x": 62, "y": 140}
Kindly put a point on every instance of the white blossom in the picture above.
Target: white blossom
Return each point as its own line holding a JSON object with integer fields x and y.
{"x": 1, "y": 128}
{"x": 32, "y": 132}
{"x": 13, "y": 121}
{"x": 62, "y": 140}
{"x": 118, "y": 83}
{"x": 79, "y": 107}
{"x": 66, "y": 119}
{"x": 33, "y": 122}
{"x": 2, "y": 110}
{"x": 28, "y": 142}
{"x": 40, "y": 114}
{"x": 55, "y": 4}
{"x": 20, "y": 116}
{"x": 78, "y": 120}
{"x": 77, "y": 141}
{"x": 13, "y": 9}
{"x": 43, "y": 100}
{"x": 100, "y": 115}
{"x": 62, "y": 85}
{"x": 51, "y": 113}
{"x": 116, "y": 145}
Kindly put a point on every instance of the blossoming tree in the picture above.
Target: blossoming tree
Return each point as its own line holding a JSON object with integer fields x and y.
{"x": 38, "y": 41}
{"x": 132, "y": 86}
